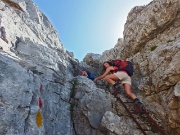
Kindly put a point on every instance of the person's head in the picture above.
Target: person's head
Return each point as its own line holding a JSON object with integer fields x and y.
{"x": 106, "y": 64}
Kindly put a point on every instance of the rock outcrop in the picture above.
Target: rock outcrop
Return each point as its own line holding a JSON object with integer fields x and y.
{"x": 155, "y": 47}
{"x": 90, "y": 105}
{"x": 34, "y": 67}
{"x": 41, "y": 92}
{"x": 152, "y": 42}
{"x": 95, "y": 113}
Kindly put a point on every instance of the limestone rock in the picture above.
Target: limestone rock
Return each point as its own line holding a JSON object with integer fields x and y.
{"x": 113, "y": 53}
{"x": 177, "y": 90}
{"x": 152, "y": 42}
{"x": 34, "y": 65}
{"x": 17, "y": 4}
{"x": 90, "y": 105}
{"x": 92, "y": 59}
{"x": 118, "y": 125}
{"x": 144, "y": 23}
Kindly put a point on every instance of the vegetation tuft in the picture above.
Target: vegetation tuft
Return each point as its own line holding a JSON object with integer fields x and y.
{"x": 153, "y": 48}
{"x": 169, "y": 41}
{"x": 73, "y": 90}
{"x": 75, "y": 83}
{"x": 71, "y": 109}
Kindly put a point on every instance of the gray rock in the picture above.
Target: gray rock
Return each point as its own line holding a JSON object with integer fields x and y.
{"x": 37, "y": 66}
{"x": 152, "y": 42}
{"x": 177, "y": 90}
{"x": 92, "y": 59}
{"x": 89, "y": 107}
{"x": 113, "y": 124}
{"x": 33, "y": 63}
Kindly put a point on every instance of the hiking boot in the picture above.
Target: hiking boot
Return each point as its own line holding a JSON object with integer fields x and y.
{"x": 116, "y": 89}
{"x": 138, "y": 105}
{"x": 115, "y": 92}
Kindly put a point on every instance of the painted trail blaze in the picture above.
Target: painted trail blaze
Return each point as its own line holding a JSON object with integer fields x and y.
{"x": 39, "y": 121}
{"x": 40, "y": 103}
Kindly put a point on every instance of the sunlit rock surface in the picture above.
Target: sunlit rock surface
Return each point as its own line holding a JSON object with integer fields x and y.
{"x": 34, "y": 67}
{"x": 152, "y": 42}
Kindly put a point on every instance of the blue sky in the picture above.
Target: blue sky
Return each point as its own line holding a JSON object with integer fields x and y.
{"x": 88, "y": 26}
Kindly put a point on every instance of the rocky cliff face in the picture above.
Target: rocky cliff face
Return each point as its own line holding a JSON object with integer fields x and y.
{"x": 35, "y": 71}
{"x": 152, "y": 42}
{"x": 40, "y": 95}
